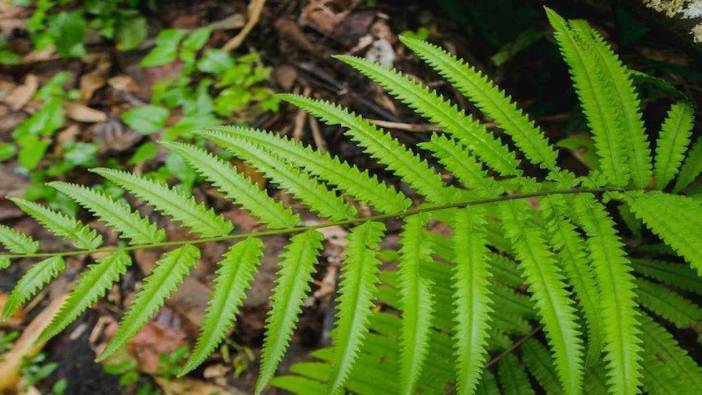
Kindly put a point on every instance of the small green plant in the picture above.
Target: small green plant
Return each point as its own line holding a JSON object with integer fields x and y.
{"x": 7, "y": 339}
{"x": 532, "y": 250}
{"x": 36, "y": 369}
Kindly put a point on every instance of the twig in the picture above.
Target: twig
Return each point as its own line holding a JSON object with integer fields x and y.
{"x": 514, "y": 346}
{"x": 255, "y": 8}
{"x": 409, "y": 127}
{"x": 317, "y": 135}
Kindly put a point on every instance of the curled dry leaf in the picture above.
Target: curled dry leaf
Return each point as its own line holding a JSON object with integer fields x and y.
{"x": 20, "y": 95}
{"x": 115, "y": 135}
{"x": 94, "y": 80}
{"x": 82, "y": 113}
{"x": 325, "y": 15}
{"x": 123, "y": 83}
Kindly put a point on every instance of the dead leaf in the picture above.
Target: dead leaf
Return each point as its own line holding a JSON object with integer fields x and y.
{"x": 82, "y": 113}
{"x": 94, "y": 80}
{"x": 162, "y": 335}
{"x": 68, "y": 135}
{"x": 190, "y": 302}
{"x": 26, "y": 345}
{"x": 325, "y": 15}
{"x": 123, "y": 83}
{"x": 116, "y": 135}
{"x": 21, "y": 95}
{"x": 193, "y": 387}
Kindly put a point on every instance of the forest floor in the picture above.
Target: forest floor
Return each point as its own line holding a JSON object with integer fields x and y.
{"x": 294, "y": 41}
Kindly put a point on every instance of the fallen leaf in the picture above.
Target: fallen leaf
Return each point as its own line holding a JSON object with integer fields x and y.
{"x": 325, "y": 15}
{"x": 21, "y": 95}
{"x": 162, "y": 335}
{"x": 115, "y": 135}
{"x": 190, "y": 302}
{"x": 82, "y": 113}
{"x": 94, "y": 80}
{"x": 123, "y": 83}
{"x": 193, "y": 387}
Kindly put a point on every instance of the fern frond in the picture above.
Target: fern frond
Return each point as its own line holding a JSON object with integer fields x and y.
{"x": 675, "y": 219}
{"x": 670, "y": 305}
{"x": 36, "y": 277}
{"x": 60, "y": 224}
{"x": 416, "y": 302}
{"x": 488, "y": 385}
{"x": 669, "y": 273}
{"x": 236, "y": 186}
{"x": 349, "y": 178}
{"x": 169, "y": 272}
{"x": 386, "y": 149}
{"x": 91, "y": 286}
{"x": 459, "y": 162}
{"x": 489, "y": 99}
{"x": 547, "y": 285}
{"x": 357, "y": 289}
{"x": 315, "y": 195}
{"x": 595, "y": 101}
{"x": 16, "y": 242}
{"x": 617, "y": 296}
{"x": 115, "y": 213}
{"x": 171, "y": 202}
{"x": 513, "y": 378}
{"x": 691, "y": 168}
{"x": 672, "y": 142}
{"x": 292, "y": 284}
{"x": 660, "y": 344}
{"x": 472, "y": 300}
{"x": 540, "y": 363}
{"x": 619, "y": 82}
{"x": 441, "y": 112}
{"x": 234, "y": 276}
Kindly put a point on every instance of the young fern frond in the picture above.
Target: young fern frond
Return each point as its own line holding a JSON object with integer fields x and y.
{"x": 60, "y": 224}
{"x": 91, "y": 286}
{"x": 441, "y": 112}
{"x": 672, "y": 142}
{"x": 237, "y": 187}
{"x": 31, "y": 282}
{"x": 490, "y": 100}
{"x": 691, "y": 168}
{"x": 547, "y": 285}
{"x": 115, "y": 213}
{"x": 292, "y": 285}
{"x": 416, "y": 302}
{"x": 350, "y": 179}
{"x": 357, "y": 290}
{"x": 617, "y": 79}
{"x": 594, "y": 97}
{"x": 234, "y": 276}
{"x": 171, "y": 202}
{"x": 617, "y": 296}
{"x": 309, "y": 191}
{"x": 473, "y": 301}
{"x": 386, "y": 149}
{"x": 169, "y": 272}
{"x": 665, "y": 303}
{"x": 16, "y": 242}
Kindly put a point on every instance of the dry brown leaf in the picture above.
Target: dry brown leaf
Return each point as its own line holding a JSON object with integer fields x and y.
{"x": 26, "y": 345}
{"x": 21, "y": 95}
{"x": 193, "y": 387}
{"x": 162, "y": 335}
{"x": 325, "y": 15}
{"x": 82, "y": 113}
{"x": 123, "y": 83}
{"x": 94, "y": 80}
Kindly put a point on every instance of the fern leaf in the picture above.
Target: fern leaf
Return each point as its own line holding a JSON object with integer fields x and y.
{"x": 236, "y": 186}
{"x": 61, "y": 225}
{"x": 488, "y": 385}
{"x": 386, "y": 149}
{"x": 171, "y": 202}
{"x": 618, "y": 80}
{"x": 36, "y": 278}
{"x": 691, "y": 168}
{"x": 416, "y": 302}
{"x": 617, "y": 296}
{"x": 540, "y": 363}
{"x": 670, "y": 305}
{"x": 315, "y": 195}
{"x": 672, "y": 142}
{"x": 473, "y": 301}
{"x": 157, "y": 287}
{"x": 441, "y": 112}
{"x": 592, "y": 91}
{"x": 115, "y": 213}
{"x": 16, "y": 242}
{"x": 489, "y": 99}
{"x": 673, "y": 218}
{"x": 91, "y": 286}
{"x": 669, "y": 273}
{"x": 292, "y": 284}
{"x": 513, "y": 378}
{"x": 547, "y": 285}
{"x": 349, "y": 178}
{"x": 459, "y": 162}
{"x": 661, "y": 344}
{"x": 234, "y": 276}
{"x": 357, "y": 289}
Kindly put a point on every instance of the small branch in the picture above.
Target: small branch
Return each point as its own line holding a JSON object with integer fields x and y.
{"x": 300, "y": 229}
{"x": 255, "y": 9}
{"x": 514, "y": 346}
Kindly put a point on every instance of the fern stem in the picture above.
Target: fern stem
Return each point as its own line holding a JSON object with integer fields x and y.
{"x": 300, "y": 229}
